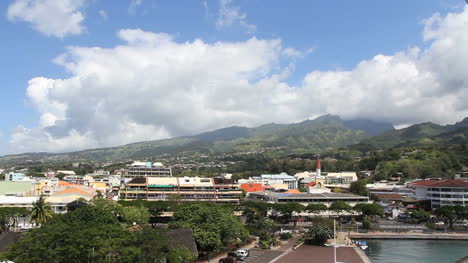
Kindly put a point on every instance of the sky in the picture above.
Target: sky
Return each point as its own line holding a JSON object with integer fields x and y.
{"x": 80, "y": 74}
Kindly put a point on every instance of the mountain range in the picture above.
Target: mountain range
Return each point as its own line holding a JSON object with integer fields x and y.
{"x": 323, "y": 133}
{"x": 327, "y": 132}
{"x": 423, "y": 133}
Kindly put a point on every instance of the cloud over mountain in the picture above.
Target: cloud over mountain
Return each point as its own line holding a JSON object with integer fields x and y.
{"x": 153, "y": 87}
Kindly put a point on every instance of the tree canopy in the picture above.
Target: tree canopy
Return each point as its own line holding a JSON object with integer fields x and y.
{"x": 214, "y": 227}
{"x": 93, "y": 234}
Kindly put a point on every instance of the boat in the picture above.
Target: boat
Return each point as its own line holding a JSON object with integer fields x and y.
{"x": 362, "y": 245}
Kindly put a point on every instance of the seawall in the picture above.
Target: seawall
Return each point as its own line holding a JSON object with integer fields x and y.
{"x": 409, "y": 235}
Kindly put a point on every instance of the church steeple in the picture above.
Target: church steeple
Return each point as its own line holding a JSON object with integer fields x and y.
{"x": 319, "y": 166}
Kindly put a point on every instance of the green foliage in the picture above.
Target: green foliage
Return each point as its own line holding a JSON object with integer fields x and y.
{"x": 420, "y": 215}
{"x": 264, "y": 244}
{"x": 286, "y": 211}
{"x": 447, "y": 213}
{"x": 369, "y": 209}
{"x": 318, "y": 220}
{"x": 450, "y": 214}
{"x": 285, "y": 236}
{"x": 93, "y": 234}
{"x": 316, "y": 208}
{"x": 318, "y": 234}
{"x": 215, "y": 227}
{"x": 135, "y": 215}
{"x": 366, "y": 224}
{"x": 155, "y": 208}
{"x": 340, "y": 207}
{"x": 155, "y": 246}
{"x": 41, "y": 211}
{"x": 359, "y": 187}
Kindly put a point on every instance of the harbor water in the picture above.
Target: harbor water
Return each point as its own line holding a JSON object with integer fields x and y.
{"x": 416, "y": 251}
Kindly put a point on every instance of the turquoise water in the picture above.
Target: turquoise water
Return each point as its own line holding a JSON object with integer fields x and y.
{"x": 416, "y": 251}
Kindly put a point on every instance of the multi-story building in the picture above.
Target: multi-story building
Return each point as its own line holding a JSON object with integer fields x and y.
{"x": 144, "y": 169}
{"x": 76, "y": 179}
{"x": 185, "y": 189}
{"x": 340, "y": 178}
{"x": 272, "y": 179}
{"x": 307, "y": 198}
{"x": 15, "y": 176}
{"x": 441, "y": 192}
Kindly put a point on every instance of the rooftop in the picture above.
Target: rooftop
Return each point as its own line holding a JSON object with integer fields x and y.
{"x": 390, "y": 196}
{"x": 302, "y": 195}
{"x": 277, "y": 176}
{"x": 253, "y": 187}
{"x": 457, "y": 183}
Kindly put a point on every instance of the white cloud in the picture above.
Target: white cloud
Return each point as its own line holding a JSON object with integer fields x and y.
{"x": 134, "y": 4}
{"x": 294, "y": 53}
{"x": 154, "y": 87}
{"x": 103, "y": 14}
{"x": 50, "y": 17}
{"x": 229, "y": 15}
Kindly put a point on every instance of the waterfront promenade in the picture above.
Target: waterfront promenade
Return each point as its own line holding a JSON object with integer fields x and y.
{"x": 408, "y": 235}
{"x": 320, "y": 254}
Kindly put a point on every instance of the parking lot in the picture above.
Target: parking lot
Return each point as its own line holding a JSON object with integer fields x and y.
{"x": 262, "y": 256}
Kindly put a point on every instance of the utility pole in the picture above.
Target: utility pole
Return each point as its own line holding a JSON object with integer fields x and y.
{"x": 334, "y": 244}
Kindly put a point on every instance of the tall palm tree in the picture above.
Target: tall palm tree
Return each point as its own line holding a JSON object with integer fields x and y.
{"x": 41, "y": 211}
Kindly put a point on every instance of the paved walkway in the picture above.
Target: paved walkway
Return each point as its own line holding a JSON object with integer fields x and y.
{"x": 262, "y": 255}
{"x": 319, "y": 254}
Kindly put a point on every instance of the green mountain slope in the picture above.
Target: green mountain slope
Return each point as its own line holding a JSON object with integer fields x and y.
{"x": 327, "y": 132}
{"x": 419, "y": 134}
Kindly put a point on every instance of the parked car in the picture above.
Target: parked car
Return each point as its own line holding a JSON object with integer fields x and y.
{"x": 242, "y": 254}
{"x": 465, "y": 225}
{"x": 440, "y": 223}
{"x": 232, "y": 254}
{"x": 228, "y": 260}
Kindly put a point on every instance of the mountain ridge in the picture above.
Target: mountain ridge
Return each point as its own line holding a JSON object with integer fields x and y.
{"x": 323, "y": 133}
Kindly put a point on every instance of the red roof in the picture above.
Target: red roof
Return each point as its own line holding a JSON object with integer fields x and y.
{"x": 390, "y": 196}
{"x": 442, "y": 183}
{"x": 310, "y": 184}
{"x": 254, "y": 187}
{"x": 73, "y": 190}
{"x": 293, "y": 191}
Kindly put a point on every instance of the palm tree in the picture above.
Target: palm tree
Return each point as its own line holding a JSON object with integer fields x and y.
{"x": 41, "y": 211}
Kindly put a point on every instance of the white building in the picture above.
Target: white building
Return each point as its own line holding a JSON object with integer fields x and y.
{"x": 441, "y": 192}
{"x": 272, "y": 179}
{"x": 147, "y": 169}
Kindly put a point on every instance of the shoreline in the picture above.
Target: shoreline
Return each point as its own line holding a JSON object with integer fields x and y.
{"x": 408, "y": 235}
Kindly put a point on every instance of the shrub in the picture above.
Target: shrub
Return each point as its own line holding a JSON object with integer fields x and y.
{"x": 264, "y": 244}
{"x": 318, "y": 220}
{"x": 285, "y": 236}
{"x": 366, "y": 224}
{"x": 318, "y": 234}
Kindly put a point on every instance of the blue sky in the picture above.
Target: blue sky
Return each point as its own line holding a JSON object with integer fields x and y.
{"x": 322, "y": 36}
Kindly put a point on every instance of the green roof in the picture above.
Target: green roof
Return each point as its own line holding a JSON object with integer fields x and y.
{"x": 15, "y": 187}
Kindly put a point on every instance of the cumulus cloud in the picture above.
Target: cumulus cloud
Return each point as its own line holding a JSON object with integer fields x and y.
{"x": 153, "y": 87}
{"x": 229, "y": 15}
{"x": 50, "y": 17}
